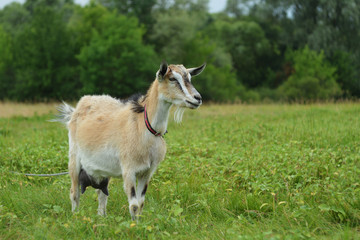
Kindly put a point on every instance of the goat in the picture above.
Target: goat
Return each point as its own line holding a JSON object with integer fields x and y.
{"x": 114, "y": 138}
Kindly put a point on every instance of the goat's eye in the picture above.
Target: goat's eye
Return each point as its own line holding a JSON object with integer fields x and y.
{"x": 172, "y": 79}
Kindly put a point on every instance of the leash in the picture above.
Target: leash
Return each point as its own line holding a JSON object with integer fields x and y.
{"x": 41, "y": 175}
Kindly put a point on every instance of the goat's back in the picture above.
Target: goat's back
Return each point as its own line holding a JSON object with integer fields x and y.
{"x": 99, "y": 121}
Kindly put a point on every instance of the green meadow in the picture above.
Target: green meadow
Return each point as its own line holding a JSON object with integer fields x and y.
{"x": 231, "y": 172}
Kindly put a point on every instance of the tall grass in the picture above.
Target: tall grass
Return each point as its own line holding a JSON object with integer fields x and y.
{"x": 231, "y": 172}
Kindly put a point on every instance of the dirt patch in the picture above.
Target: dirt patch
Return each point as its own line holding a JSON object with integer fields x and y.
{"x": 10, "y": 109}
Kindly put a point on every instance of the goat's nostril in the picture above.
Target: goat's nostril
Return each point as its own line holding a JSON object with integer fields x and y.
{"x": 198, "y": 97}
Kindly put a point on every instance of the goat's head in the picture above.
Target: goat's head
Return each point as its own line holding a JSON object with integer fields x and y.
{"x": 175, "y": 85}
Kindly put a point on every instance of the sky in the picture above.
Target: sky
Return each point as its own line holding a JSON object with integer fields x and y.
{"x": 214, "y": 5}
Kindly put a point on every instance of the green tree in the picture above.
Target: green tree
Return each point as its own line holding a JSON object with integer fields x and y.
{"x": 168, "y": 34}
{"x": 272, "y": 17}
{"x": 5, "y": 49}
{"x": 346, "y": 73}
{"x": 142, "y": 10}
{"x": 44, "y": 59}
{"x": 192, "y": 6}
{"x": 236, "y": 8}
{"x": 218, "y": 81}
{"x": 248, "y": 46}
{"x": 329, "y": 25}
{"x": 116, "y": 61}
{"x": 84, "y": 22}
{"x": 138, "y": 8}
{"x": 176, "y": 26}
{"x": 56, "y": 5}
{"x": 14, "y": 18}
{"x": 6, "y": 62}
{"x": 313, "y": 78}
{"x": 332, "y": 26}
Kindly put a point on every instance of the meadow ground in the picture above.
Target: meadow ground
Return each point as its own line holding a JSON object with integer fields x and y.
{"x": 231, "y": 172}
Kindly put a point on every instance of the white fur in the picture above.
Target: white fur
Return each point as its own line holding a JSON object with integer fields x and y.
{"x": 160, "y": 121}
{"x": 178, "y": 114}
{"x": 182, "y": 84}
{"x": 102, "y": 202}
{"x": 101, "y": 164}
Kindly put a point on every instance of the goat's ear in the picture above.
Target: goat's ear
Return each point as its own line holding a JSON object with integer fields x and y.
{"x": 162, "y": 71}
{"x": 196, "y": 71}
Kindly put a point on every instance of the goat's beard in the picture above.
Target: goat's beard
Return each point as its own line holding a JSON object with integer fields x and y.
{"x": 178, "y": 114}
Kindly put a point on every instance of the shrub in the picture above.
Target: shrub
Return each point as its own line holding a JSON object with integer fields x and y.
{"x": 313, "y": 78}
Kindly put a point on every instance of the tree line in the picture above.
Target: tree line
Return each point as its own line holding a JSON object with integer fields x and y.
{"x": 255, "y": 49}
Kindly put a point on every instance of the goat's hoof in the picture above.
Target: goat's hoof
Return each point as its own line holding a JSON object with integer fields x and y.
{"x": 135, "y": 208}
{"x": 134, "y": 211}
{"x": 101, "y": 212}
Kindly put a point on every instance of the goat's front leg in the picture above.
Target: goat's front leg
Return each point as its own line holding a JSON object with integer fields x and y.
{"x": 130, "y": 186}
{"x": 143, "y": 182}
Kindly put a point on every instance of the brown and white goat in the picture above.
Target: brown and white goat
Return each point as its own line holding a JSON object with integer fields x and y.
{"x": 113, "y": 138}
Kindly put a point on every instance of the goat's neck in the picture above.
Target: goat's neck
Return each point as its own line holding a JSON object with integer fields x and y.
{"x": 157, "y": 109}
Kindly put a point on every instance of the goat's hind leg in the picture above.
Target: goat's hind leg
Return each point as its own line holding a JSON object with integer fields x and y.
{"x": 74, "y": 171}
{"x": 102, "y": 198}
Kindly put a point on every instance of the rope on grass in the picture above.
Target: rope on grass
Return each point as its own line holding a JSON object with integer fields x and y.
{"x": 41, "y": 175}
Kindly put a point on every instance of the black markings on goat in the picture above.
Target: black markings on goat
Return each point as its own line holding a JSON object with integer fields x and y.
{"x": 86, "y": 180}
{"x": 133, "y": 194}
{"x": 137, "y": 108}
{"x": 135, "y": 100}
{"x": 163, "y": 68}
{"x": 186, "y": 79}
{"x": 144, "y": 191}
{"x": 179, "y": 86}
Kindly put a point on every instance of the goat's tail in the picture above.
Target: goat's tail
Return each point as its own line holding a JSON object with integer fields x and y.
{"x": 65, "y": 113}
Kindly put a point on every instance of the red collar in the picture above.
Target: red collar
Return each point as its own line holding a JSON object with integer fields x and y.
{"x": 148, "y": 125}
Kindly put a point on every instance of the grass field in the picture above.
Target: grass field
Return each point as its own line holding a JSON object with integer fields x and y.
{"x": 231, "y": 172}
